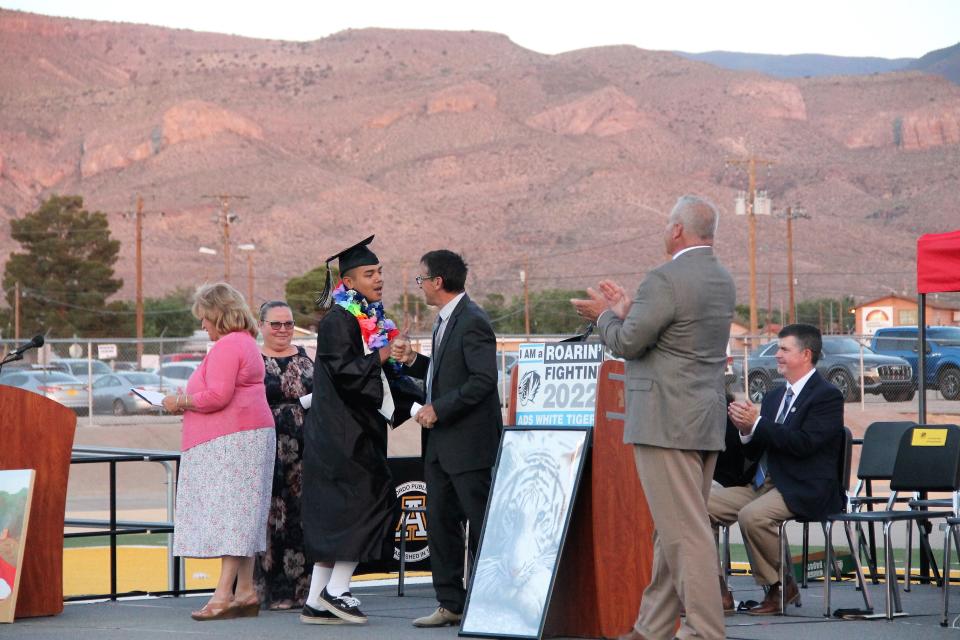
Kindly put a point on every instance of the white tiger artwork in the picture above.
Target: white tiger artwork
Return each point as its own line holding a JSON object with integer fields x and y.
{"x": 529, "y": 504}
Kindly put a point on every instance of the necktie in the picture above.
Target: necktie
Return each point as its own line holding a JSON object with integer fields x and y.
{"x": 433, "y": 357}
{"x": 761, "y": 474}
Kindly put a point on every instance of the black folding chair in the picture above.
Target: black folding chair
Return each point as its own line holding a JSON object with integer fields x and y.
{"x": 843, "y": 468}
{"x": 877, "y": 457}
{"x": 928, "y": 459}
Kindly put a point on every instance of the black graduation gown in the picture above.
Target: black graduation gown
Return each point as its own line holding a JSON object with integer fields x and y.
{"x": 348, "y": 492}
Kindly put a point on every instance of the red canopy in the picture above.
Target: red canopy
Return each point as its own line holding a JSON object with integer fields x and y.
{"x": 938, "y": 262}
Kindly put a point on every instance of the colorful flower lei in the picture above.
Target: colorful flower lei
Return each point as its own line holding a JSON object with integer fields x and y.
{"x": 376, "y": 329}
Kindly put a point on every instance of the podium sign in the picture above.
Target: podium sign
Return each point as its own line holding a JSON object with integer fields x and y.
{"x": 557, "y": 383}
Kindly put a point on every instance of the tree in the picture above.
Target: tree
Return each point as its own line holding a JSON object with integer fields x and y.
{"x": 302, "y": 292}
{"x": 66, "y": 269}
{"x": 169, "y": 316}
{"x": 550, "y": 312}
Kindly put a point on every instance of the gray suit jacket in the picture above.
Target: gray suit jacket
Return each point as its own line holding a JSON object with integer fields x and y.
{"x": 674, "y": 341}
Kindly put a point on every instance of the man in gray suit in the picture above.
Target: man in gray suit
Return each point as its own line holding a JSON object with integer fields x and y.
{"x": 673, "y": 337}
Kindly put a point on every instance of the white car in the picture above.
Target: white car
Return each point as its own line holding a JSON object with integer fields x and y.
{"x": 174, "y": 375}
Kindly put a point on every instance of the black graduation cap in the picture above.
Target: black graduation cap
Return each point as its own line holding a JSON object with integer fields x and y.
{"x": 358, "y": 255}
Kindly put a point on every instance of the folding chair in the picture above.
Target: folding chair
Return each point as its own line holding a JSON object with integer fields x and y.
{"x": 843, "y": 469}
{"x": 877, "y": 457}
{"x": 928, "y": 459}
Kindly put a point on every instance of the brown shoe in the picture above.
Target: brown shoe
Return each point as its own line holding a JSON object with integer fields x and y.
{"x": 771, "y": 603}
{"x": 726, "y": 596}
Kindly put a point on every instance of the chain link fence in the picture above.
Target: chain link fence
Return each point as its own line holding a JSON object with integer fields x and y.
{"x": 104, "y": 369}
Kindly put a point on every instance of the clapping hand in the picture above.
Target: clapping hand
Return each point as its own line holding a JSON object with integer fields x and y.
{"x": 743, "y": 415}
{"x": 616, "y": 297}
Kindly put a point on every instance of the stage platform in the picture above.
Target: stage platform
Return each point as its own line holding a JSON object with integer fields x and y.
{"x": 390, "y": 617}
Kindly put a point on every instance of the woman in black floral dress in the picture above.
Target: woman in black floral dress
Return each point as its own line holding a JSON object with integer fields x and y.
{"x": 281, "y": 574}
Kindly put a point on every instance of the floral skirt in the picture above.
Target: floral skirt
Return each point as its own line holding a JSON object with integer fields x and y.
{"x": 223, "y": 495}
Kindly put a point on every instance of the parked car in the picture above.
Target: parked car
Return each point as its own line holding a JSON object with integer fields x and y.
{"x": 840, "y": 364}
{"x": 503, "y": 375}
{"x": 730, "y": 374}
{"x": 81, "y": 367}
{"x": 112, "y": 394}
{"x": 56, "y": 385}
{"x": 175, "y": 374}
{"x": 181, "y": 357}
{"x": 942, "y": 370}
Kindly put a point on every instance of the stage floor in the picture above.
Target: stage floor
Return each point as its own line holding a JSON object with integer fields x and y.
{"x": 390, "y": 617}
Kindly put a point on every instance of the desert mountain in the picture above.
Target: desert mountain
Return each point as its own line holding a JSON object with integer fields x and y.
{"x": 563, "y": 165}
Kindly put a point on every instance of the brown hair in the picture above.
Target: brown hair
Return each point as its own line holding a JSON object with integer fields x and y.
{"x": 225, "y": 307}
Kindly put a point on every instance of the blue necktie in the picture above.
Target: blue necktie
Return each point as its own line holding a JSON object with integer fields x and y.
{"x": 761, "y": 474}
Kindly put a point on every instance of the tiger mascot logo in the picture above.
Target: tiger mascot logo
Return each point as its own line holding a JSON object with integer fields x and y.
{"x": 524, "y": 528}
{"x": 528, "y": 388}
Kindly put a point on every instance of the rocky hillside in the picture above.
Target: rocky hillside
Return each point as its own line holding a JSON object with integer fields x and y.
{"x": 565, "y": 163}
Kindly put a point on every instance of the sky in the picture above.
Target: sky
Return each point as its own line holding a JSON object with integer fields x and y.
{"x": 881, "y": 28}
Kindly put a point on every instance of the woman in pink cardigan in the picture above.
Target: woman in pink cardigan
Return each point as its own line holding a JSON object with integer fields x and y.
{"x": 229, "y": 446}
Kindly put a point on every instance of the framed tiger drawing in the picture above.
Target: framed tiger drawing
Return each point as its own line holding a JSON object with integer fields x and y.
{"x": 528, "y": 515}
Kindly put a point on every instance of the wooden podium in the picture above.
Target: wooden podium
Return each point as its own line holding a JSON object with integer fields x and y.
{"x": 37, "y": 433}
{"x": 608, "y": 554}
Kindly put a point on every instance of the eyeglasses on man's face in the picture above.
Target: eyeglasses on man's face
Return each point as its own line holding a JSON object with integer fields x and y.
{"x": 277, "y": 326}
{"x": 420, "y": 279}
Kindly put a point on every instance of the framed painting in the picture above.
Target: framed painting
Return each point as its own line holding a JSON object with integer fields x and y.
{"x": 16, "y": 492}
{"x": 528, "y": 515}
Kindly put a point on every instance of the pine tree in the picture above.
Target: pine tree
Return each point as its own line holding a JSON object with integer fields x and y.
{"x": 66, "y": 269}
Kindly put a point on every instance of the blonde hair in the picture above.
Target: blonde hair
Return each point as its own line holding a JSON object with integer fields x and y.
{"x": 225, "y": 307}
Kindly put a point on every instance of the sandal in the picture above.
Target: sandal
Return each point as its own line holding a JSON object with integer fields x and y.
{"x": 218, "y": 610}
{"x": 281, "y": 605}
{"x": 248, "y": 609}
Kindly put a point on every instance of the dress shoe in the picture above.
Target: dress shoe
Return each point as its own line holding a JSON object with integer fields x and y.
{"x": 771, "y": 603}
{"x": 439, "y": 618}
{"x": 214, "y": 610}
{"x": 726, "y": 596}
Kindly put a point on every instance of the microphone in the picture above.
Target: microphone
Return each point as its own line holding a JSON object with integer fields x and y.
{"x": 37, "y": 341}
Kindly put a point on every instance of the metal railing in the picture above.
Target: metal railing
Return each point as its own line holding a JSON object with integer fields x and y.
{"x": 113, "y": 528}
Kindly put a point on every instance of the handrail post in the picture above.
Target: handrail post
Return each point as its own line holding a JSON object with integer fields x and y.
{"x": 113, "y": 530}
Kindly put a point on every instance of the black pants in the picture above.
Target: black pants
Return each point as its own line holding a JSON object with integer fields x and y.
{"x": 451, "y": 499}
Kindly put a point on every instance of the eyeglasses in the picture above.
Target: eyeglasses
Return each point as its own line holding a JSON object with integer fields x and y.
{"x": 420, "y": 279}
{"x": 276, "y": 326}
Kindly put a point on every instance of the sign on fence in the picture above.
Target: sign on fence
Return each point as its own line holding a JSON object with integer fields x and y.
{"x": 107, "y": 351}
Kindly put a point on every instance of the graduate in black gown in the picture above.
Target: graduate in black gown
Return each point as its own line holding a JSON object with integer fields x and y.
{"x": 348, "y": 493}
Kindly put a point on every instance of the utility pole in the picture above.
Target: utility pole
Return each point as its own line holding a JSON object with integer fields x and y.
{"x": 748, "y": 204}
{"x": 526, "y": 298}
{"x": 139, "y": 266}
{"x": 249, "y": 248}
{"x": 769, "y": 300}
{"x": 16, "y": 312}
{"x": 790, "y": 214}
{"x": 405, "y": 308}
{"x": 225, "y": 219}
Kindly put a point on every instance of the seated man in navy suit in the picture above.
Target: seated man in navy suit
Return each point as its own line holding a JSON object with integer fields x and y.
{"x": 796, "y": 436}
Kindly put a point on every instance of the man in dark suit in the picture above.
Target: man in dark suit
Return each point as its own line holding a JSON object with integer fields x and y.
{"x": 797, "y": 436}
{"x": 461, "y": 423}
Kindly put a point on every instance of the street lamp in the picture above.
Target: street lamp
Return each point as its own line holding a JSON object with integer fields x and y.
{"x": 249, "y": 248}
